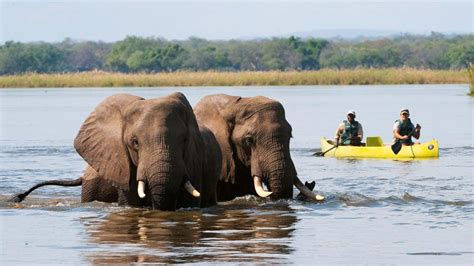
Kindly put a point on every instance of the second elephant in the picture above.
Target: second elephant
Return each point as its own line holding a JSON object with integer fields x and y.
{"x": 254, "y": 139}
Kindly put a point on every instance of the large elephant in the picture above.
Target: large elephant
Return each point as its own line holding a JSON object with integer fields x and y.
{"x": 254, "y": 138}
{"x": 145, "y": 153}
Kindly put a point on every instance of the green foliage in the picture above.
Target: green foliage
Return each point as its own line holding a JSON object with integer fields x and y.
{"x": 36, "y": 57}
{"x": 309, "y": 51}
{"x": 128, "y": 51}
{"x": 137, "y": 54}
{"x": 208, "y": 58}
{"x": 245, "y": 55}
{"x": 432, "y": 52}
{"x": 84, "y": 56}
{"x": 172, "y": 57}
{"x": 280, "y": 55}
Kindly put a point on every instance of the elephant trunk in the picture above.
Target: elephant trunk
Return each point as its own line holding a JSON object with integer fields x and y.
{"x": 188, "y": 186}
{"x": 277, "y": 169}
{"x": 159, "y": 179}
{"x": 162, "y": 192}
{"x": 280, "y": 182}
{"x": 163, "y": 198}
{"x": 162, "y": 177}
{"x": 257, "y": 177}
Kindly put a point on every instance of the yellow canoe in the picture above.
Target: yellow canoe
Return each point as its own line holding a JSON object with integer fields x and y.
{"x": 375, "y": 148}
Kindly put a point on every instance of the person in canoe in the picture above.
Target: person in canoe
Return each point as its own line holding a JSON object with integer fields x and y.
{"x": 349, "y": 132}
{"x": 403, "y": 129}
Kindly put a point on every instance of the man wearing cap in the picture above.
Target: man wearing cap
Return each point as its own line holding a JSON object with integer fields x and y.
{"x": 403, "y": 129}
{"x": 349, "y": 132}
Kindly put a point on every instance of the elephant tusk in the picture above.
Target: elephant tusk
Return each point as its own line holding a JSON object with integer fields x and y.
{"x": 191, "y": 189}
{"x": 141, "y": 189}
{"x": 308, "y": 193}
{"x": 257, "y": 182}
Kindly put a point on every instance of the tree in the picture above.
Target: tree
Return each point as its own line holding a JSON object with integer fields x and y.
{"x": 17, "y": 58}
{"x": 87, "y": 56}
{"x": 279, "y": 54}
{"x": 207, "y": 58}
{"x": 121, "y": 51}
{"x": 137, "y": 54}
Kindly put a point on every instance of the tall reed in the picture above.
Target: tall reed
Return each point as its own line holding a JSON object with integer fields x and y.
{"x": 471, "y": 77}
{"x": 273, "y": 78}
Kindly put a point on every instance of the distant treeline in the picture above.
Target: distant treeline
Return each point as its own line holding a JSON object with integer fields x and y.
{"x": 150, "y": 55}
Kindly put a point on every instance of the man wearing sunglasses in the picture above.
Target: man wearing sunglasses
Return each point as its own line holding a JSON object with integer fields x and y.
{"x": 349, "y": 132}
{"x": 403, "y": 129}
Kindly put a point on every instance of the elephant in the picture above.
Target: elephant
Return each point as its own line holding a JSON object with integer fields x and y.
{"x": 145, "y": 152}
{"x": 254, "y": 138}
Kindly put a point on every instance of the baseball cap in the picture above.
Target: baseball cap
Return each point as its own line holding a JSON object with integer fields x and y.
{"x": 404, "y": 111}
{"x": 351, "y": 112}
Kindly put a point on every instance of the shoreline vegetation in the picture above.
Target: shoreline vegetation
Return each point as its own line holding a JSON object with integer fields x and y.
{"x": 155, "y": 55}
{"x": 245, "y": 78}
{"x": 471, "y": 77}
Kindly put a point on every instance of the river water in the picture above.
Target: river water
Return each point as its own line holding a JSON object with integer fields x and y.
{"x": 377, "y": 211}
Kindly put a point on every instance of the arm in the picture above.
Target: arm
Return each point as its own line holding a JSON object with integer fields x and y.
{"x": 416, "y": 135}
{"x": 339, "y": 131}
{"x": 360, "y": 132}
{"x": 398, "y": 136}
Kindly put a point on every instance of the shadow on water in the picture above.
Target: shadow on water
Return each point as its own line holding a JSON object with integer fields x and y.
{"x": 226, "y": 233}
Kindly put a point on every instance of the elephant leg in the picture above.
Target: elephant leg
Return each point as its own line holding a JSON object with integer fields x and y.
{"x": 212, "y": 168}
{"x": 243, "y": 185}
{"x": 130, "y": 198}
{"x": 228, "y": 191}
{"x": 209, "y": 197}
{"x": 96, "y": 188}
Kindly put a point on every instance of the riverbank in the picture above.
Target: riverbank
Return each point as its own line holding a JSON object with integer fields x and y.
{"x": 274, "y": 78}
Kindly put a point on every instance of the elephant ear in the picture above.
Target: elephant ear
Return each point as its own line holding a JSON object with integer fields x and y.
{"x": 194, "y": 149}
{"x": 217, "y": 113}
{"x": 100, "y": 140}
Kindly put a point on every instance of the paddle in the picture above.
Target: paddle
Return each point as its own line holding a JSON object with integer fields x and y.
{"x": 397, "y": 146}
{"x": 321, "y": 154}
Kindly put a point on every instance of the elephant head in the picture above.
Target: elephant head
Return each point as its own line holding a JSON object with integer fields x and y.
{"x": 254, "y": 137}
{"x": 149, "y": 149}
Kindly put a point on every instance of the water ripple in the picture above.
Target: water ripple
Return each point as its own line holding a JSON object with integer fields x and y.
{"x": 439, "y": 253}
{"x": 21, "y": 151}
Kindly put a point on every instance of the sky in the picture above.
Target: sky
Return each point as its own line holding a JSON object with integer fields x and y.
{"x": 107, "y": 20}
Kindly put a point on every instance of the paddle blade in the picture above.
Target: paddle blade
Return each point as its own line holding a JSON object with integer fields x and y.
{"x": 396, "y": 147}
{"x": 319, "y": 153}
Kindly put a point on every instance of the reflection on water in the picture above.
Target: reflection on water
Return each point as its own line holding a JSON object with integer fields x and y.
{"x": 226, "y": 233}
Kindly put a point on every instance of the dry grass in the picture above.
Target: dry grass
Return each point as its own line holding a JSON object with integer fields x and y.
{"x": 274, "y": 78}
{"x": 471, "y": 77}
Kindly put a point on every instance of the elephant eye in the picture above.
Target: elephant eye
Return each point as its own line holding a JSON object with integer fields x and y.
{"x": 248, "y": 141}
{"x": 135, "y": 143}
